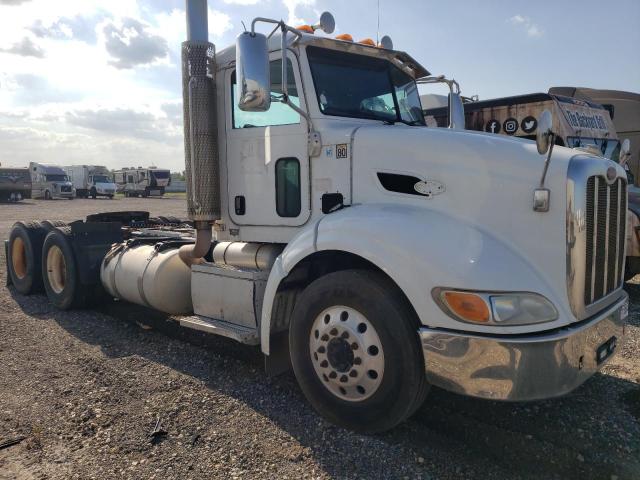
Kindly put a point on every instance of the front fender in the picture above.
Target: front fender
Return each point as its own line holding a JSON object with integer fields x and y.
{"x": 419, "y": 249}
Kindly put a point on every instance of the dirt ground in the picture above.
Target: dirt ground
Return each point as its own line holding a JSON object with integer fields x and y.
{"x": 85, "y": 389}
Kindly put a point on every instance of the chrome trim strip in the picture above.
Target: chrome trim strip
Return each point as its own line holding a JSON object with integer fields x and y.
{"x": 595, "y": 238}
{"x": 615, "y": 272}
{"x": 606, "y": 242}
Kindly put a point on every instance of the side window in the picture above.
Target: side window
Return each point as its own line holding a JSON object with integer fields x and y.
{"x": 288, "y": 199}
{"x": 279, "y": 113}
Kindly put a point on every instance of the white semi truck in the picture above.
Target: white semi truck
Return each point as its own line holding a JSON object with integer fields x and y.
{"x": 50, "y": 182}
{"x": 374, "y": 255}
{"x": 142, "y": 182}
{"x": 91, "y": 181}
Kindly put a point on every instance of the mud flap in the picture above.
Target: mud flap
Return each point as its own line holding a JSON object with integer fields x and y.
{"x": 279, "y": 361}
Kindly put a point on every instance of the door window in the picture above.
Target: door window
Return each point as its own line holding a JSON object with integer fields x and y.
{"x": 288, "y": 199}
{"x": 279, "y": 113}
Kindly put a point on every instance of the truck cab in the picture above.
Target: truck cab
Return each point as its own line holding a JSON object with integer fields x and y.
{"x": 50, "y": 182}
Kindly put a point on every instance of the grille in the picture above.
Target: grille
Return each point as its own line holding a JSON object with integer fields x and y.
{"x": 605, "y": 229}
{"x": 65, "y": 188}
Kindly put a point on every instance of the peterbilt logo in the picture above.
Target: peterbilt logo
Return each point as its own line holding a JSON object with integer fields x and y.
{"x": 611, "y": 174}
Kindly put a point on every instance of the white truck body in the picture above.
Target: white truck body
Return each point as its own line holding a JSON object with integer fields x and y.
{"x": 50, "y": 182}
{"x": 91, "y": 180}
{"x": 143, "y": 182}
{"x": 368, "y": 251}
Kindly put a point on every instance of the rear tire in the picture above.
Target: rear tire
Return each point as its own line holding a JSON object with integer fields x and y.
{"x": 60, "y": 271}
{"x": 355, "y": 351}
{"x": 23, "y": 262}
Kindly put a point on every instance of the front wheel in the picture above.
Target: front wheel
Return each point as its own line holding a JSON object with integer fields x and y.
{"x": 47, "y": 195}
{"x": 355, "y": 351}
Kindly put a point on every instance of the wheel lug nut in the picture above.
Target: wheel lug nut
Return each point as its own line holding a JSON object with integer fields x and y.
{"x": 343, "y": 379}
{"x": 324, "y": 337}
{"x": 333, "y": 375}
{"x": 357, "y": 360}
{"x": 334, "y": 332}
{"x": 353, "y": 373}
{"x": 321, "y": 349}
{"x": 345, "y": 335}
{"x": 324, "y": 364}
{"x": 354, "y": 346}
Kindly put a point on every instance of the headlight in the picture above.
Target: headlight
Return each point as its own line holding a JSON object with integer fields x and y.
{"x": 493, "y": 308}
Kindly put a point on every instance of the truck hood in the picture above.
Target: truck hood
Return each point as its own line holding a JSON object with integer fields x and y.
{"x": 487, "y": 182}
{"x": 105, "y": 186}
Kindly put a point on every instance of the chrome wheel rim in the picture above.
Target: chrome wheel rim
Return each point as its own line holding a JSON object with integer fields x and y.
{"x": 56, "y": 269}
{"x": 346, "y": 353}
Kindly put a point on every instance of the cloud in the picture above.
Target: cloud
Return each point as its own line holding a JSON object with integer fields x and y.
{"x": 525, "y": 23}
{"x": 12, "y": 2}
{"x": 241, "y": 2}
{"x": 25, "y": 48}
{"x": 77, "y": 27}
{"x": 292, "y": 7}
{"x": 130, "y": 44}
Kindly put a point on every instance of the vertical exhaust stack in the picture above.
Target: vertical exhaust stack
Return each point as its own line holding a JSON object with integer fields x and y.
{"x": 200, "y": 131}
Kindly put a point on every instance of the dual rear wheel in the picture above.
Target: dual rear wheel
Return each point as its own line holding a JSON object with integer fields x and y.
{"x": 41, "y": 257}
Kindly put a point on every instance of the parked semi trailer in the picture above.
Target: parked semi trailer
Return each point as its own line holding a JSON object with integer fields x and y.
{"x": 15, "y": 184}
{"x": 142, "y": 182}
{"x": 50, "y": 182}
{"x": 91, "y": 181}
{"x": 373, "y": 255}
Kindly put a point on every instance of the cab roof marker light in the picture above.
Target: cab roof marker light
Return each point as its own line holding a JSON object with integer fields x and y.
{"x": 306, "y": 29}
{"x": 345, "y": 37}
{"x": 367, "y": 41}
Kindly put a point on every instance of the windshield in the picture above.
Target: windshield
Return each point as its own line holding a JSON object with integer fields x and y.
{"x": 609, "y": 148}
{"x": 358, "y": 86}
{"x": 101, "y": 179}
{"x": 56, "y": 177}
{"x": 160, "y": 174}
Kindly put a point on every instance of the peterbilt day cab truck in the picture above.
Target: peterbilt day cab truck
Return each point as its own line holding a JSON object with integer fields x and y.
{"x": 91, "y": 181}
{"x": 142, "y": 182}
{"x": 335, "y": 230}
{"x": 50, "y": 182}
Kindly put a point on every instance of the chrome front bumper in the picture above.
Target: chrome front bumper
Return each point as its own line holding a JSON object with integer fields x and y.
{"x": 523, "y": 367}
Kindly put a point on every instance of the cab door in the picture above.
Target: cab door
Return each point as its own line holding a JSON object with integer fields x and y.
{"x": 267, "y": 156}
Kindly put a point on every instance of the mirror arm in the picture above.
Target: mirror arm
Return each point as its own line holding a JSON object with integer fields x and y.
{"x": 552, "y": 140}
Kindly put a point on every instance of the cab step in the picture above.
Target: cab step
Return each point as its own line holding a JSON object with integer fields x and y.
{"x": 239, "y": 333}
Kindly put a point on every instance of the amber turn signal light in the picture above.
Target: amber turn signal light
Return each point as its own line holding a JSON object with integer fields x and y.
{"x": 467, "y": 306}
{"x": 345, "y": 37}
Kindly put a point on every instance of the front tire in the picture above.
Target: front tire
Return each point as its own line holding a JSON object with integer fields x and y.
{"x": 355, "y": 351}
{"x": 47, "y": 195}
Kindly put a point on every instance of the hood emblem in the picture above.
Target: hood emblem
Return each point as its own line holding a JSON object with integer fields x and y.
{"x": 611, "y": 174}
{"x": 429, "y": 188}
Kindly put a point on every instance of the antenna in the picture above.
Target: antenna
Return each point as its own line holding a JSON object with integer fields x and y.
{"x": 378, "y": 28}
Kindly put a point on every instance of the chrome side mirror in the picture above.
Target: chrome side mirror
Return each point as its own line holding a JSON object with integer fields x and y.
{"x": 625, "y": 152}
{"x": 253, "y": 75}
{"x": 456, "y": 111}
{"x": 544, "y": 133}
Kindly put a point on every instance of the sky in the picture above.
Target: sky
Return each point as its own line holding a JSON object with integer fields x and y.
{"x": 98, "y": 81}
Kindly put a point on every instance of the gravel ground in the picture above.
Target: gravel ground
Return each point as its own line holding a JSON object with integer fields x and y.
{"x": 85, "y": 389}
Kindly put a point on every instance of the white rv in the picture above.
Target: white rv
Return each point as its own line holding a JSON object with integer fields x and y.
{"x": 372, "y": 254}
{"x": 50, "y": 182}
{"x": 142, "y": 182}
{"x": 91, "y": 181}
